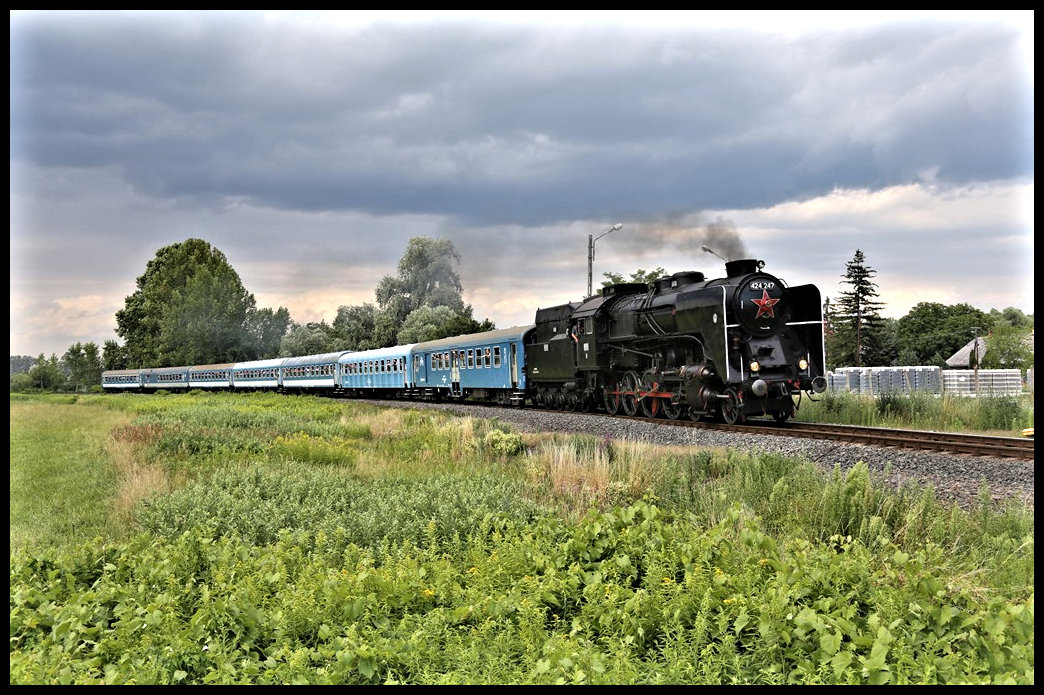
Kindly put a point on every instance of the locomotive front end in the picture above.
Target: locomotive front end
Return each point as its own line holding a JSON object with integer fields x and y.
{"x": 775, "y": 342}
{"x": 763, "y": 341}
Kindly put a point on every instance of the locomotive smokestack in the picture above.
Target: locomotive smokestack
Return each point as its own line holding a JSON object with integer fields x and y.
{"x": 743, "y": 266}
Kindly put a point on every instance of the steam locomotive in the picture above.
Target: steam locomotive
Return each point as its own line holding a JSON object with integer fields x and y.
{"x": 736, "y": 347}
{"x": 683, "y": 346}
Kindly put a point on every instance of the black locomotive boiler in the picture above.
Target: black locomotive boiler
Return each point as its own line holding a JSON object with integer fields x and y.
{"x": 683, "y": 346}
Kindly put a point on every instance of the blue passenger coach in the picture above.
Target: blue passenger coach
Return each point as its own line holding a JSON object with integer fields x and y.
{"x": 488, "y": 366}
{"x": 384, "y": 371}
{"x": 121, "y": 380}
{"x": 166, "y": 378}
{"x": 210, "y": 376}
{"x": 257, "y": 374}
{"x": 312, "y": 373}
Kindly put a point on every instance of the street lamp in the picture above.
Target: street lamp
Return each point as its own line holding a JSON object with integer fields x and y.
{"x": 591, "y": 239}
{"x": 711, "y": 252}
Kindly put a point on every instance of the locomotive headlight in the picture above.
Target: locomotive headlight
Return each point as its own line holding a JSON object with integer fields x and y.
{"x": 755, "y": 366}
{"x": 802, "y": 364}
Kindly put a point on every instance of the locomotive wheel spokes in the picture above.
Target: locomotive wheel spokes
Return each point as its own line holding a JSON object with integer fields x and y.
{"x": 650, "y": 406}
{"x": 731, "y": 410}
{"x": 670, "y": 410}
{"x": 629, "y": 397}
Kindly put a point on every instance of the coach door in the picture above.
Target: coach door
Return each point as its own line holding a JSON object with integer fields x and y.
{"x": 420, "y": 370}
{"x": 514, "y": 366}
{"x": 455, "y": 360}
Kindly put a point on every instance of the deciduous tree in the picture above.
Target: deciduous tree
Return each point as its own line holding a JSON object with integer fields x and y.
{"x": 932, "y": 332}
{"x": 640, "y": 275}
{"x": 190, "y": 307}
{"x": 47, "y": 374}
{"x": 427, "y": 279}
{"x": 114, "y": 356}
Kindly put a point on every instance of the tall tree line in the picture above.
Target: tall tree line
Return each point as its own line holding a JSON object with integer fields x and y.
{"x": 190, "y": 307}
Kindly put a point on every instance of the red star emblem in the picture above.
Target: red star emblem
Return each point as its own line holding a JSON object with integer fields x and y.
{"x": 765, "y": 305}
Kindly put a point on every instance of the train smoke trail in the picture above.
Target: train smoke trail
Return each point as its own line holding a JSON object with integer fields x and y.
{"x": 725, "y": 240}
{"x": 684, "y": 239}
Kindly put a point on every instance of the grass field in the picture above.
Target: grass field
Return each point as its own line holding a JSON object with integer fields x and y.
{"x": 222, "y": 538}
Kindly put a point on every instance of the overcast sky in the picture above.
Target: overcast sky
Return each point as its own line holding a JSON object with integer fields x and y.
{"x": 309, "y": 148}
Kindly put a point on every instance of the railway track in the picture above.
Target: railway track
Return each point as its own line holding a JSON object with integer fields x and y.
{"x": 948, "y": 442}
{"x": 940, "y": 442}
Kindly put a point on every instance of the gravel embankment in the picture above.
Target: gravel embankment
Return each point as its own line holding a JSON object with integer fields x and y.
{"x": 956, "y": 477}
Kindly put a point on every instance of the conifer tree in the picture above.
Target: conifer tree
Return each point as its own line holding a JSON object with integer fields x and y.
{"x": 856, "y": 314}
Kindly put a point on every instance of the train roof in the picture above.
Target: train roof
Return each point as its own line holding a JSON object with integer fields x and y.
{"x": 513, "y": 333}
{"x": 260, "y": 364}
{"x": 225, "y": 365}
{"x": 315, "y": 359}
{"x": 377, "y": 353}
{"x": 121, "y": 372}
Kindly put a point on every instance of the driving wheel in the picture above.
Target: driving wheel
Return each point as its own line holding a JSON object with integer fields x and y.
{"x": 731, "y": 408}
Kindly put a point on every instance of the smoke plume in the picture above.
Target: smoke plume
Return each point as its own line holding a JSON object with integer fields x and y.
{"x": 685, "y": 239}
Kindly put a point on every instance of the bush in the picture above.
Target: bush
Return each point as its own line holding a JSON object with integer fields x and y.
{"x": 999, "y": 413}
{"x": 502, "y": 443}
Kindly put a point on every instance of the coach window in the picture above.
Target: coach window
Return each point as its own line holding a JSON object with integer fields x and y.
{"x": 485, "y": 359}
{"x": 496, "y": 356}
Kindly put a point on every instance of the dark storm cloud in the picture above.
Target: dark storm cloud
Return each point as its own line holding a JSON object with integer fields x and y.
{"x": 495, "y": 124}
{"x": 310, "y": 152}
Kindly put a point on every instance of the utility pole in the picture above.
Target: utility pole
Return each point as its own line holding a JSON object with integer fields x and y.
{"x": 591, "y": 239}
{"x": 975, "y": 356}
